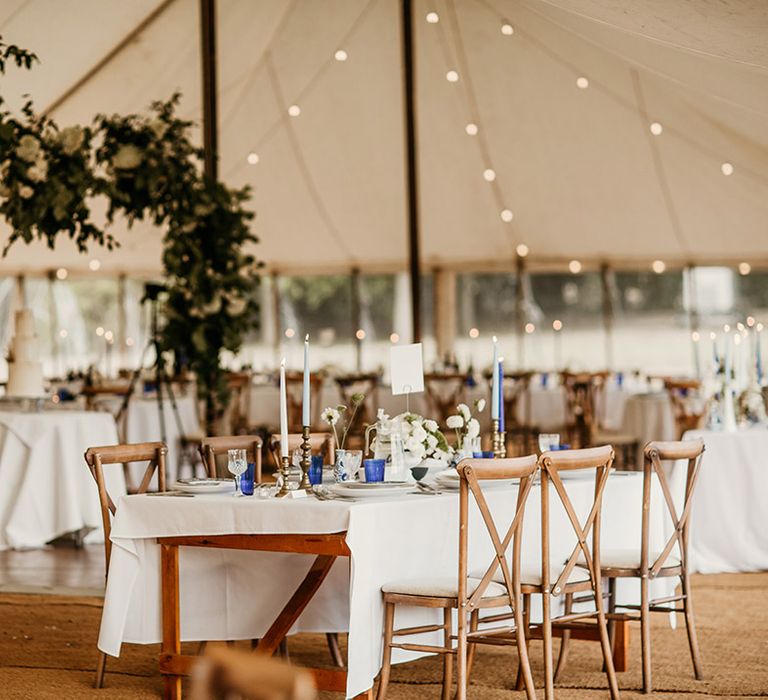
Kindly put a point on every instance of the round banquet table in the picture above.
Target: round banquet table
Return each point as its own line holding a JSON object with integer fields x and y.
{"x": 47, "y": 490}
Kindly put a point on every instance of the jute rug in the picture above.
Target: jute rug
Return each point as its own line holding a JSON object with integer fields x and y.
{"x": 47, "y": 650}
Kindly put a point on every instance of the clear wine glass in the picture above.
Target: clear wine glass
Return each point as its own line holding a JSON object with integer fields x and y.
{"x": 237, "y": 464}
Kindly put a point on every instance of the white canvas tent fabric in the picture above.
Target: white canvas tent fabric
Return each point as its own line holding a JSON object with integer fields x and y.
{"x": 579, "y": 168}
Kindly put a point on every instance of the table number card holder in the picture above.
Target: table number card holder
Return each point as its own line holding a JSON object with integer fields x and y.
{"x": 406, "y": 371}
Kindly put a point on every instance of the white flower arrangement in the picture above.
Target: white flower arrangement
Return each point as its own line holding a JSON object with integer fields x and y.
{"x": 422, "y": 438}
{"x": 332, "y": 416}
{"x": 464, "y": 424}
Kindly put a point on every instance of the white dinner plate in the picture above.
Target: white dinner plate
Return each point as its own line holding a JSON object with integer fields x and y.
{"x": 204, "y": 485}
{"x": 374, "y": 490}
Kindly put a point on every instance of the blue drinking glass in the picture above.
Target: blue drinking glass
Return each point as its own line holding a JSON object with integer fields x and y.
{"x": 315, "y": 469}
{"x": 246, "y": 480}
{"x": 485, "y": 454}
{"x": 374, "y": 470}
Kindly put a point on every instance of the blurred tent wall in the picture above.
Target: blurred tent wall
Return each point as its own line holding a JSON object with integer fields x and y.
{"x": 578, "y": 167}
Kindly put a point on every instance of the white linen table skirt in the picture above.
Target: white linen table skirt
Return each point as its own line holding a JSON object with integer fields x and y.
{"x": 729, "y": 527}
{"x": 47, "y": 489}
{"x": 227, "y": 594}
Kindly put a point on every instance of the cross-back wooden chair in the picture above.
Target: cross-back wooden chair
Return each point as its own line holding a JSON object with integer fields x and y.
{"x": 496, "y": 586}
{"x": 672, "y": 560}
{"x": 363, "y": 383}
{"x": 556, "y": 579}
{"x": 521, "y": 431}
{"x": 238, "y": 409}
{"x": 444, "y": 391}
{"x": 210, "y": 447}
{"x": 687, "y": 409}
{"x": 319, "y": 443}
{"x": 294, "y": 388}
{"x": 96, "y": 457}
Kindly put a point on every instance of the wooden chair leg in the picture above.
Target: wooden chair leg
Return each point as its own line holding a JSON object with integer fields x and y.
{"x": 386, "y": 661}
{"x": 101, "y": 666}
{"x": 333, "y": 646}
{"x": 524, "y": 665}
{"x": 520, "y": 682}
{"x": 546, "y": 634}
{"x": 461, "y": 656}
{"x": 611, "y": 609}
{"x": 565, "y": 642}
{"x": 690, "y": 625}
{"x": 448, "y": 658}
{"x": 474, "y": 621}
{"x": 610, "y": 671}
{"x": 645, "y": 634}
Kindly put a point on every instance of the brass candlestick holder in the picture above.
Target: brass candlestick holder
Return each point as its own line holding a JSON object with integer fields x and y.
{"x": 499, "y": 441}
{"x": 285, "y": 467}
{"x": 306, "y": 451}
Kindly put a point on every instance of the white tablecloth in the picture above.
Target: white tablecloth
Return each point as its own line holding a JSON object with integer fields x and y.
{"x": 47, "y": 489}
{"x": 236, "y": 595}
{"x": 729, "y": 526}
{"x": 143, "y": 425}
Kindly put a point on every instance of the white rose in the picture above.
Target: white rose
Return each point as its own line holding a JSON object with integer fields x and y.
{"x": 431, "y": 442}
{"x": 473, "y": 428}
{"x": 28, "y": 148}
{"x": 455, "y": 422}
{"x": 72, "y": 139}
{"x": 431, "y": 426}
{"x": 480, "y": 405}
{"x": 127, "y": 157}
{"x": 419, "y": 433}
{"x": 464, "y": 411}
{"x": 25, "y": 191}
{"x": 417, "y": 450}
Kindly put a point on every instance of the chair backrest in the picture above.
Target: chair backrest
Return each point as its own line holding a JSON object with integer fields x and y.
{"x": 322, "y": 443}
{"x": 655, "y": 453}
{"x": 444, "y": 391}
{"x": 294, "y": 385}
{"x": 238, "y": 409}
{"x": 552, "y": 463}
{"x": 96, "y": 457}
{"x": 211, "y": 446}
{"x": 363, "y": 383}
{"x": 517, "y": 392}
{"x": 472, "y": 473}
{"x": 684, "y": 397}
{"x": 581, "y": 399}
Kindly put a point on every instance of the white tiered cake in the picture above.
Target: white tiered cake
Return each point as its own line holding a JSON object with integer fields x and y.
{"x": 25, "y": 371}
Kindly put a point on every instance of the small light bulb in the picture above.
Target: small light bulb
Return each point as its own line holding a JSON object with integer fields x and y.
{"x": 360, "y": 334}
{"x": 745, "y": 268}
{"x": 433, "y": 17}
{"x": 471, "y": 129}
{"x": 452, "y": 76}
{"x": 294, "y": 110}
{"x": 529, "y": 328}
{"x": 62, "y": 273}
{"x": 656, "y": 128}
{"x": 695, "y": 337}
{"x": 289, "y": 332}
{"x": 726, "y": 328}
{"x": 574, "y": 266}
{"x": 759, "y": 327}
{"x": 658, "y": 266}
{"x": 129, "y": 342}
{"x": 726, "y": 169}
{"x": 63, "y": 333}
{"x": 712, "y": 335}
{"x": 109, "y": 336}
{"x": 394, "y": 338}
{"x": 253, "y": 158}
{"x": 506, "y": 215}
{"x": 489, "y": 174}
{"x": 582, "y": 82}
{"x": 740, "y": 326}
{"x": 341, "y": 55}
{"x": 507, "y": 29}
{"x": 522, "y": 250}
{"x": 99, "y": 331}
{"x": 94, "y": 264}
{"x": 557, "y": 325}
{"x": 750, "y": 321}
{"x": 474, "y": 332}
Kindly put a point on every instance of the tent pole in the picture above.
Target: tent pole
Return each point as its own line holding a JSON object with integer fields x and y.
{"x": 520, "y": 310}
{"x": 445, "y": 313}
{"x": 608, "y": 283}
{"x": 693, "y": 317}
{"x": 357, "y": 316}
{"x": 122, "y": 320}
{"x": 409, "y": 95}
{"x": 276, "y": 319}
{"x": 53, "y": 325}
{"x": 210, "y": 112}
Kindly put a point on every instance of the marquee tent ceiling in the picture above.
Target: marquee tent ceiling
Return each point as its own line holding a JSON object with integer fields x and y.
{"x": 579, "y": 167}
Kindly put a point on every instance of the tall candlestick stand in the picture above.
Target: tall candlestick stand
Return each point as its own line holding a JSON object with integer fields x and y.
{"x": 285, "y": 467}
{"x": 499, "y": 441}
{"x": 306, "y": 450}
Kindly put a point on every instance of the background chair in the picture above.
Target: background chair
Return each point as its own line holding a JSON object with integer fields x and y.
{"x": 498, "y": 585}
{"x": 96, "y": 457}
{"x": 672, "y": 560}
{"x": 211, "y": 447}
{"x": 444, "y": 391}
{"x": 555, "y": 579}
{"x": 687, "y": 405}
{"x": 359, "y": 383}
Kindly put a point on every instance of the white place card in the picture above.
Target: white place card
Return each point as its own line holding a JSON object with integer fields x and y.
{"x": 406, "y": 369}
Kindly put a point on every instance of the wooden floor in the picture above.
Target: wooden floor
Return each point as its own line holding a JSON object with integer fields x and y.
{"x": 61, "y": 569}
